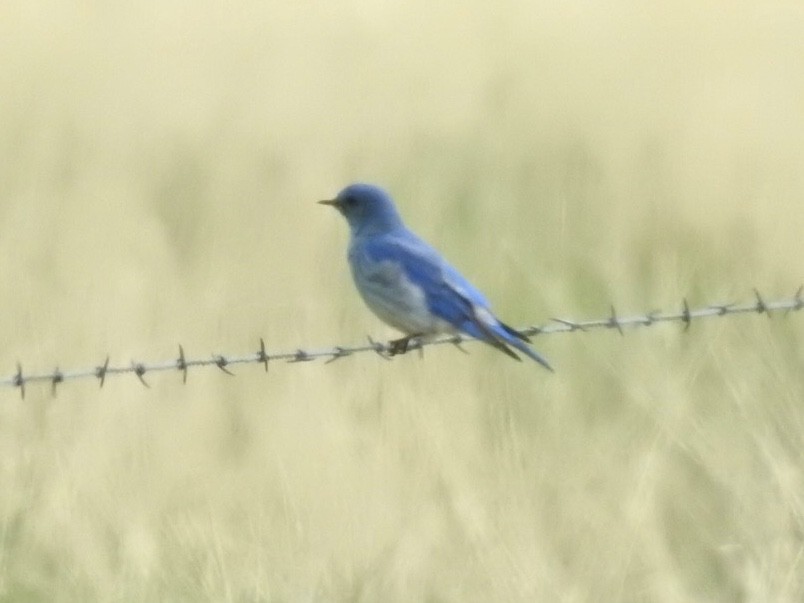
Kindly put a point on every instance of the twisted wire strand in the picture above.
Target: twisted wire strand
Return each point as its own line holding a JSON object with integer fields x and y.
{"x": 557, "y": 325}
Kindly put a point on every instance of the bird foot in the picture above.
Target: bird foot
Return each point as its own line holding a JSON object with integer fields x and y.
{"x": 400, "y": 346}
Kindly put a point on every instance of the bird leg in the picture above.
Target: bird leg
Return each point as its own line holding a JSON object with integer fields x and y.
{"x": 400, "y": 346}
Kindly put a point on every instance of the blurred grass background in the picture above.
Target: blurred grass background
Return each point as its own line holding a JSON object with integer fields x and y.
{"x": 158, "y": 168}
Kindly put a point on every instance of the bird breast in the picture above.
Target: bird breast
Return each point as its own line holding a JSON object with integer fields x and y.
{"x": 393, "y": 297}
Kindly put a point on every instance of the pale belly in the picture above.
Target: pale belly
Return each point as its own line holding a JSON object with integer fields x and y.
{"x": 397, "y": 301}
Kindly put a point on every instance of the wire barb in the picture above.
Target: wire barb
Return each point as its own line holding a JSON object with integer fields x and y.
{"x": 301, "y": 356}
{"x": 19, "y": 381}
{"x": 221, "y": 363}
{"x": 573, "y": 326}
{"x": 722, "y": 309}
{"x": 100, "y": 371}
{"x": 262, "y": 356}
{"x": 613, "y": 322}
{"x": 181, "y": 364}
{"x": 686, "y": 316}
{"x": 57, "y": 378}
{"x": 380, "y": 348}
{"x": 457, "y": 340}
{"x": 332, "y": 353}
{"x": 140, "y": 370}
{"x": 761, "y": 306}
{"x": 798, "y": 300}
{"x": 337, "y": 353}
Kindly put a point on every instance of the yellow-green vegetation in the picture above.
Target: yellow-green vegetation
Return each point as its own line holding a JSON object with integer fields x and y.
{"x": 159, "y": 167}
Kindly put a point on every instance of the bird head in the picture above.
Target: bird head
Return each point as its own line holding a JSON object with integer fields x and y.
{"x": 367, "y": 208}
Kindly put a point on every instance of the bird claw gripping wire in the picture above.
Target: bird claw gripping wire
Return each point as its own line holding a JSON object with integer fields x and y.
{"x": 399, "y": 346}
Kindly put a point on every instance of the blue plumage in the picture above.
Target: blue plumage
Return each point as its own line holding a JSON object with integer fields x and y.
{"x": 408, "y": 284}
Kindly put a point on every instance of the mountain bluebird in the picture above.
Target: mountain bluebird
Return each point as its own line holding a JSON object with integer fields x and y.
{"x": 407, "y": 283}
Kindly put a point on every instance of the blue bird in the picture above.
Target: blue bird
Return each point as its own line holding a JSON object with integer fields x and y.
{"x": 407, "y": 283}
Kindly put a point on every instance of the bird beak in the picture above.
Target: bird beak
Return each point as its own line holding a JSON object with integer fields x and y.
{"x": 332, "y": 202}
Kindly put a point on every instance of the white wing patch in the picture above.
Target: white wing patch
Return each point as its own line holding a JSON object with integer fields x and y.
{"x": 484, "y": 316}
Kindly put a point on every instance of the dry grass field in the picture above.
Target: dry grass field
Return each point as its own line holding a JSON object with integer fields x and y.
{"x": 159, "y": 164}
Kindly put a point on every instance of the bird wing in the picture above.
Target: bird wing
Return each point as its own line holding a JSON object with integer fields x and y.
{"x": 449, "y": 295}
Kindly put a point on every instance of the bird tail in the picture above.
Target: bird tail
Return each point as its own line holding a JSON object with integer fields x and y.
{"x": 520, "y": 342}
{"x": 496, "y": 333}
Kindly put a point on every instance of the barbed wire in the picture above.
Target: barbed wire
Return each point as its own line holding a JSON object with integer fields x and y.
{"x": 385, "y": 350}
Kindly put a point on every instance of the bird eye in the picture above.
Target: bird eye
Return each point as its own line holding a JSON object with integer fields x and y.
{"x": 350, "y": 201}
